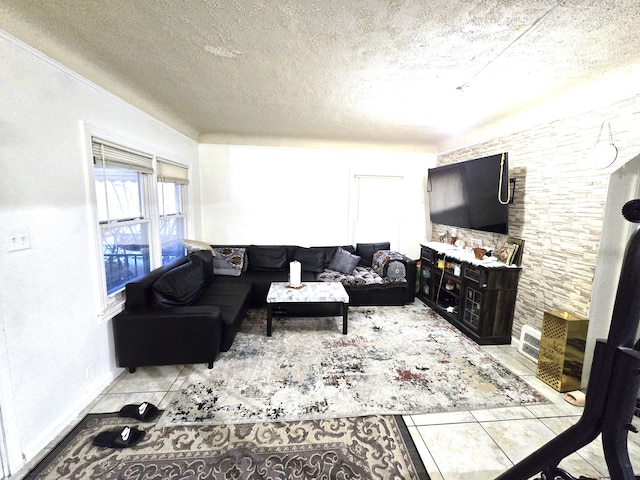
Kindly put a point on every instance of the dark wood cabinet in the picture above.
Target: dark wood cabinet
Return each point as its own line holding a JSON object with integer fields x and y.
{"x": 478, "y": 297}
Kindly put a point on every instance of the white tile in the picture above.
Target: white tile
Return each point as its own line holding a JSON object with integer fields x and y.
{"x": 148, "y": 379}
{"x": 593, "y": 452}
{"x": 168, "y": 399}
{"x": 512, "y": 363}
{"x": 423, "y": 451}
{"x": 464, "y": 451}
{"x": 520, "y": 438}
{"x": 182, "y": 378}
{"x": 407, "y": 420}
{"x": 492, "y": 349}
{"x": 507, "y": 413}
{"x": 442, "y": 418}
{"x": 529, "y": 364}
{"x": 113, "y": 402}
{"x": 555, "y": 410}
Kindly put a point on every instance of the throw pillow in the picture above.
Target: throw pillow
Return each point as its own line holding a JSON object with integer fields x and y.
{"x": 312, "y": 259}
{"x": 366, "y": 251}
{"x": 195, "y": 245}
{"x": 229, "y": 261}
{"x": 179, "y": 286}
{"x": 388, "y": 263}
{"x": 396, "y": 270}
{"x": 207, "y": 264}
{"x": 344, "y": 262}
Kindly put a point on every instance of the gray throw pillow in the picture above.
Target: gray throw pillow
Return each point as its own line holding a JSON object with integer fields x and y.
{"x": 344, "y": 262}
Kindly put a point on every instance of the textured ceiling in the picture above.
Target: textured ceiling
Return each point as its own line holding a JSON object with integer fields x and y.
{"x": 398, "y": 71}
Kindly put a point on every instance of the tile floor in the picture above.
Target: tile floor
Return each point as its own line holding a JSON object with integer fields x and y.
{"x": 475, "y": 445}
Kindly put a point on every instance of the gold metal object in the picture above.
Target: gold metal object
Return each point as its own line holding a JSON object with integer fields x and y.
{"x": 562, "y": 345}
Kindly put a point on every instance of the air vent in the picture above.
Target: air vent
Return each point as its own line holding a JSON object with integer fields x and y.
{"x": 530, "y": 342}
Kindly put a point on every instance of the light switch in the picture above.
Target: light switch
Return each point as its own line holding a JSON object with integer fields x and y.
{"x": 17, "y": 240}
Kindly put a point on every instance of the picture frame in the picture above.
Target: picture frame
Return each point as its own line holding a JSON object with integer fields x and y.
{"x": 476, "y": 243}
{"x": 508, "y": 253}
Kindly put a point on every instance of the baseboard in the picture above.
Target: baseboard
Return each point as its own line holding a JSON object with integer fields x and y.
{"x": 65, "y": 421}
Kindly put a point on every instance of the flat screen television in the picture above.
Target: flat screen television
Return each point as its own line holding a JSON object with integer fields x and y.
{"x": 472, "y": 194}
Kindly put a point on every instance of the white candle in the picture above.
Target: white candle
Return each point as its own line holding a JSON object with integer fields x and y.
{"x": 295, "y": 273}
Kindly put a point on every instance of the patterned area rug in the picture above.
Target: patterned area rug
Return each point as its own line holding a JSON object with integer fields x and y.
{"x": 394, "y": 360}
{"x": 355, "y": 448}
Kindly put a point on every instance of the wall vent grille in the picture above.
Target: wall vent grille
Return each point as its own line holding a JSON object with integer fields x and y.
{"x": 529, "y": 342}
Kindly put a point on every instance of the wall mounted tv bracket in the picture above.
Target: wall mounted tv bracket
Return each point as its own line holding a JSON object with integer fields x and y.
{"x": 613, "y": 384}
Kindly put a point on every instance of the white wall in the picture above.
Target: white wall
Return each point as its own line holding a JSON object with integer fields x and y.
{"x": 51, "y": 330}
{"x": 283, "y": 195}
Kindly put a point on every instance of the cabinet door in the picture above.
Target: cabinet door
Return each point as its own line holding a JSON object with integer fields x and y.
{"x": 426, "y": 284}
{"x": 472, "y": 310}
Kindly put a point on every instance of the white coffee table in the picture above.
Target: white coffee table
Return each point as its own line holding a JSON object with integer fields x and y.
{"x": 313, "y": 299}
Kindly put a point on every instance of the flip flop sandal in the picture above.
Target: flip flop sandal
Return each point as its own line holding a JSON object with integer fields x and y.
{"x": 576, "y": 398}
{"x": 144, "y": 411}
{"x": 127, "y": 437}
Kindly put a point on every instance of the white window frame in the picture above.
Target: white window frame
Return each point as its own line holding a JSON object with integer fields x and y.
{"x": 111, "y": 304}
{"x": 176, "y": 173}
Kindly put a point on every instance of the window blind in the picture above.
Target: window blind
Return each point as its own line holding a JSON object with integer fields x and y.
{"x": 112, "y": 155}
{"x": 170, "y": 172}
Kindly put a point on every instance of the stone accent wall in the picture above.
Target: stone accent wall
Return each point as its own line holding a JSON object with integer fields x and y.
{"x": 558, "y": 205}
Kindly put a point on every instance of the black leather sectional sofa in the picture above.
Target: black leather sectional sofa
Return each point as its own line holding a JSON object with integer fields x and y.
{"x": 191, "y": 309}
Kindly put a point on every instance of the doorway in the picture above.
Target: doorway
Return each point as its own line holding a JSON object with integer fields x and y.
{"x": 377, "y": 207}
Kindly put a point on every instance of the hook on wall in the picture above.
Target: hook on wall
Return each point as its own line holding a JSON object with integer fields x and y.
{"x": 512, "y": 187}
{"x": 603, "y": 154}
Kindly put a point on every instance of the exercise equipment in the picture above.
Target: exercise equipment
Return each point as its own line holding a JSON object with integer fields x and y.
{"x": 613, "y": 384}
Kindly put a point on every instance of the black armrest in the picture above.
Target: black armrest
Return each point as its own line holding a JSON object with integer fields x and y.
{"x": 167, "y": 336}
{"x": 410, "y": 275}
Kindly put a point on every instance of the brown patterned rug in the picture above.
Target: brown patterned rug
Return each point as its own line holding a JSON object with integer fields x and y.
{"x": 373, "y": 447}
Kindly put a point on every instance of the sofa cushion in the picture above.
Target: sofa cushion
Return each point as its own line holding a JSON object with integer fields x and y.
{"x": 229, "y": 261}
{"x": 366, "y": 251}
{"x": 362, "y": 278}
{"x": 207, "y": 264}
{"x": 344, "y": 262}
{"x": 231, "y": 298}
{"x": 312, "y": 259}
{"x": 267, "y": 257}
{"x": 179, "y": 286}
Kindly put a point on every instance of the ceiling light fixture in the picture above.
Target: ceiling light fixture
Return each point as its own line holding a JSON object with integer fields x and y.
{"x": 530, "y": 29}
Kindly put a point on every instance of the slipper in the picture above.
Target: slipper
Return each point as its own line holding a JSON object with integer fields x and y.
{"x": 576, "y": 398}
{"x": 127, "y": 437}
{"x": 145, "y": 411}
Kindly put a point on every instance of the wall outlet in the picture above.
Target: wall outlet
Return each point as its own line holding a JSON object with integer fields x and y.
{"x": 17, "y": 240}
{"x": 91, "y": 373}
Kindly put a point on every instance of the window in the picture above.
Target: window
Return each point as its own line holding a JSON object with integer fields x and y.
{"x": 172, "y": 179}
{"x": 141, "y": 216}
{"x": 122, "y": 180}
